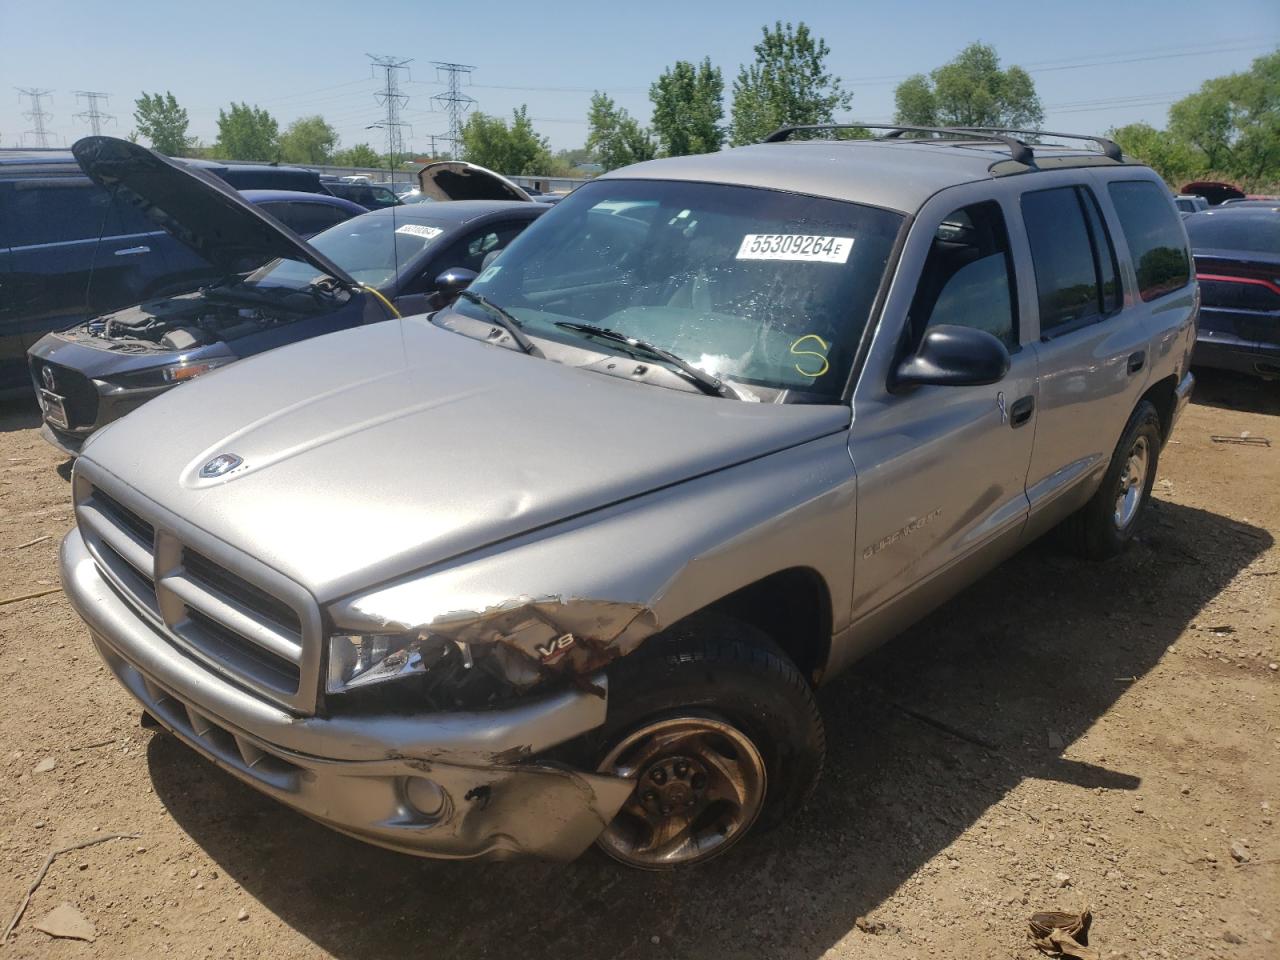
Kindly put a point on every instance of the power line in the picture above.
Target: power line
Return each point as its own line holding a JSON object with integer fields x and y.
{"x": 391, "y": 98}
{"x": 455, "y": 102}
{"x": 36, "y": 114}
{"x": 93, "y": 113}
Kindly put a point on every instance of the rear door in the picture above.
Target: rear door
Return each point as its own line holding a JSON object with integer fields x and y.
{"x": 53, "y": 225}
{"x": 1092, "y": 349}
{"x": 13, "y": 374}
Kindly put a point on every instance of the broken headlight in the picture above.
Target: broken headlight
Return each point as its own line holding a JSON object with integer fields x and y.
{"x": 359, "y": 660}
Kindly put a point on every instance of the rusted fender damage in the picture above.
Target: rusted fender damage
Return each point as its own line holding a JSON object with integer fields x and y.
{"x": 540, "y": 638}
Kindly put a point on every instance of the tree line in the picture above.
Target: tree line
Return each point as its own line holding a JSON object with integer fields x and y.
{"x": 1229, "y": 129}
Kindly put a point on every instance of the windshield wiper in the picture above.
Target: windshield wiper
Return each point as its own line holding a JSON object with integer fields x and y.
{"x": 505, "y": 320}
{"x": 702, "y": 380}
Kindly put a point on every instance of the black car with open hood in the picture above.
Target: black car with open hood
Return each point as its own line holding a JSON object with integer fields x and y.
{"x": 274, "y": 288}
{"x": 215, "y": 221}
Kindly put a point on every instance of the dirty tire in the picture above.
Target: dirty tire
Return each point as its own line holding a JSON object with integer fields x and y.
{"x": 723, "y": 668}
{"x": 1092, "y": 531}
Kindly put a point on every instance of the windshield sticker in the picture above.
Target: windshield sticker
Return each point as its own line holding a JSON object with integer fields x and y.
{"x": 817, "y": 366}
{"x": 419, "y": 230}
{"x": 488, "y": 274}
{"x": 795, "y": 246}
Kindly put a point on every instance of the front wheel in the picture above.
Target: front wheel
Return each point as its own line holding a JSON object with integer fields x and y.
{"x": 721, "y": 734}
{"x": 1104, "y": 526}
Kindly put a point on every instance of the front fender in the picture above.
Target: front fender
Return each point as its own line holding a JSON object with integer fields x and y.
{"x": 581, "y": 592}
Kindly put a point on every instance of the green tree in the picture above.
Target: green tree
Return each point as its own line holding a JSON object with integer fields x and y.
{"x": 1233, "y": 122}
{"x": 613, "y": 135}
{"x": 308, "y": 140}
{"x": 163, "y": 122}
{"x": 688, "y": 107}
{"x": 564, "y": 162}
{"x": 1168, "y": 156}
{"x": 788, "y": 83}
{"x": 247, "y": 133}
{"x": 515, "y": 149}
{"x": 361, "y": 155}
{"x": 970, "y": 91}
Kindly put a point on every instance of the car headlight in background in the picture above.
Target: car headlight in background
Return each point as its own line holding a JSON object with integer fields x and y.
{"x": 182, "y": 372}
{"x": 358, "y": 660}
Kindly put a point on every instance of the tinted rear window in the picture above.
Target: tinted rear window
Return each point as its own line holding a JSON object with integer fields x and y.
{"x": 1154, "y": 233}
{"x": 1226, "y": 231}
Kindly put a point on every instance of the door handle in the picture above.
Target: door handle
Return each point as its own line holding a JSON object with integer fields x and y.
{"x": 130, "y": 251}
{"x": 1021, "y": 411}
{"x": 1137, "y": 361}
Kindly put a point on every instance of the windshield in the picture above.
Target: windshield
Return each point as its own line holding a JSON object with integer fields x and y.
{"x": 755, "y": 286}
{"x": 1226, "y": 231}
{"x": 369, "y": 248}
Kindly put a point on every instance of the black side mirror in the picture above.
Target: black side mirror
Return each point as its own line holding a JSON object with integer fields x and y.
{"x": 452, "y": 282}
{"x": 954, "y": 356}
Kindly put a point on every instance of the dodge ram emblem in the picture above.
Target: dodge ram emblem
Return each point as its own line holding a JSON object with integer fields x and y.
{"x": 221, "y": 465}
{"x": 46, "y": 377}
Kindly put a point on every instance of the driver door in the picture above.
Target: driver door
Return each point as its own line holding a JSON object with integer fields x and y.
{"x": 941, "y": 469}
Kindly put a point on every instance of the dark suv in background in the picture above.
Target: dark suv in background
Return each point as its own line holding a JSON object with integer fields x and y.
{"x": 262, "y": 176}
{"x": 68, "y": 251}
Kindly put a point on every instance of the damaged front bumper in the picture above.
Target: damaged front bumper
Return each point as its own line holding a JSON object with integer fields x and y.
{"x": 451, "y": 785}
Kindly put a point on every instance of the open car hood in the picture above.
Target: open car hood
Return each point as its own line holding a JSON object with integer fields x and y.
{"x": 195, "y": 207}
{"x": 459, "y": 180}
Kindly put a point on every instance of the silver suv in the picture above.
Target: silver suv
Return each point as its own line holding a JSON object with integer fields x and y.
{"x": 564, "y": 563}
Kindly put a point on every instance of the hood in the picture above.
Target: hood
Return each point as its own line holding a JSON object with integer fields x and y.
{"x": 377, "y": 451}
{"x": 459, "y": 180}
{"x": 195, "y": 207}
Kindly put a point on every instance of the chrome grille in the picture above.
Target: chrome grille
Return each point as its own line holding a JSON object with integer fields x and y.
{"x": 249, "y": 624}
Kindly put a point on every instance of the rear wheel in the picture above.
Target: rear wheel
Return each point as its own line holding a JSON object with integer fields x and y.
{"x": 721, "y": 733}
{"x": 1104, "y": 526}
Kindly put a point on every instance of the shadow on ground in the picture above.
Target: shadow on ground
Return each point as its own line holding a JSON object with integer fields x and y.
{"x": 1235, "y": 391}
{"x": 1044, "y": 643}
{"x": 21, "y": 413}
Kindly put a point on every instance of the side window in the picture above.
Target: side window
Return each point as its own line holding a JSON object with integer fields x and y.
{"x": 1154, "y": 235}
{"x": 58, "y": 210}
{"x": 1070, "y": 277}
{"x": 279, "y": 210}
{"x": 308, "y": 218}
{"x": 1104, "y": 253}
{"x": 968, "y": 276}
{"x": 471, "y": 250}
{"x": 129, "y": 220}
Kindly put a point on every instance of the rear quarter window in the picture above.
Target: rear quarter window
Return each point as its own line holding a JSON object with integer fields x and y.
{"x": 1154, "y": 233}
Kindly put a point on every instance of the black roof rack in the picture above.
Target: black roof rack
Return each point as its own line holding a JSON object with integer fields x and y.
{"x": 1017, "y": 149}
{"x": 1109, "y": 147}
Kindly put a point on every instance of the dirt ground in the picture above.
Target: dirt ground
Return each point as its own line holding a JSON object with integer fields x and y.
{"x": 1061, "y": 734}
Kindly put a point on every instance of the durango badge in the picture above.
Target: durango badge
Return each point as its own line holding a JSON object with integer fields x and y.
{"x": 220, "y": 465}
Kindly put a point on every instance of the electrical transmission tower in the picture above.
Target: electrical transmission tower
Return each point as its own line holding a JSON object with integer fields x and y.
{"x": 391, "y": 98}
{"x": 93, "y": 112}
{"x": 36, "y": 115}
{"x": 455, "y": 102}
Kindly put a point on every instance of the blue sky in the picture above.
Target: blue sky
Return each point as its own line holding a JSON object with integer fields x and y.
{"x": 1096, "y": 64}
